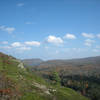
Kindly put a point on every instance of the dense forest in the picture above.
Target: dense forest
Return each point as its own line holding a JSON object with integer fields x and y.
{"x": 88, "y": 86}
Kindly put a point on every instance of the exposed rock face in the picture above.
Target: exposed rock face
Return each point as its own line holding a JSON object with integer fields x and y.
{"x": 42, "y": 87}
{"x": 21, "y": 65}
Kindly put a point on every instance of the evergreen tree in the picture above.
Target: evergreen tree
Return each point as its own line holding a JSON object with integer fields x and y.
{"x": 56, "y": 78}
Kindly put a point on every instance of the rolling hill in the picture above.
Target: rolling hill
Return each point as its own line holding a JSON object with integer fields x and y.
{"x": 18, "y": 83}
{"x": 32, "y": 62}
{"x": 86, "y": 66}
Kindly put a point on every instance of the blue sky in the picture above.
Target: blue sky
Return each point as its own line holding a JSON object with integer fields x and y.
{"x": 50, "y": 29}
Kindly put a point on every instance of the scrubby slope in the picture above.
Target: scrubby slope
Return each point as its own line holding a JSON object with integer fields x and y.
{"x": 17, "y": 83}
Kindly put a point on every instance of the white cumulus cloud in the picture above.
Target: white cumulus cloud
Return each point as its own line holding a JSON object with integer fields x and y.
{"x": 7, "y": 29}
{"x": 54, "y": 40}
{"x": 32, "y": 43}
{"x": 70, "y": 36}
{"x": 88, "y": 35}
{"x": 89, "y": 42}
{"x": 98, "y": 35}
{"x": 24, "y": 48}
{"x": 16, "y": 44}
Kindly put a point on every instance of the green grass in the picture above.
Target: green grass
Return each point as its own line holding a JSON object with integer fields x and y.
{"x": 35, "y": 96}
{"x": 68, "y": 94}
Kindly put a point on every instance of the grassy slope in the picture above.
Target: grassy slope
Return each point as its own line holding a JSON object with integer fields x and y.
{"x": 21, "y": 82}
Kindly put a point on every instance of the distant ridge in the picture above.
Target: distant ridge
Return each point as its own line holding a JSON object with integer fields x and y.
{"x": 32, "y": 62}
{"x": 84, "y": 66}
{"x": 37, "y": 61}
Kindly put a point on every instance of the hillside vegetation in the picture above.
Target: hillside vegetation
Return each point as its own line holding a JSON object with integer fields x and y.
{"x": 82, "y": 75}
{"x": 18, "y": 83}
